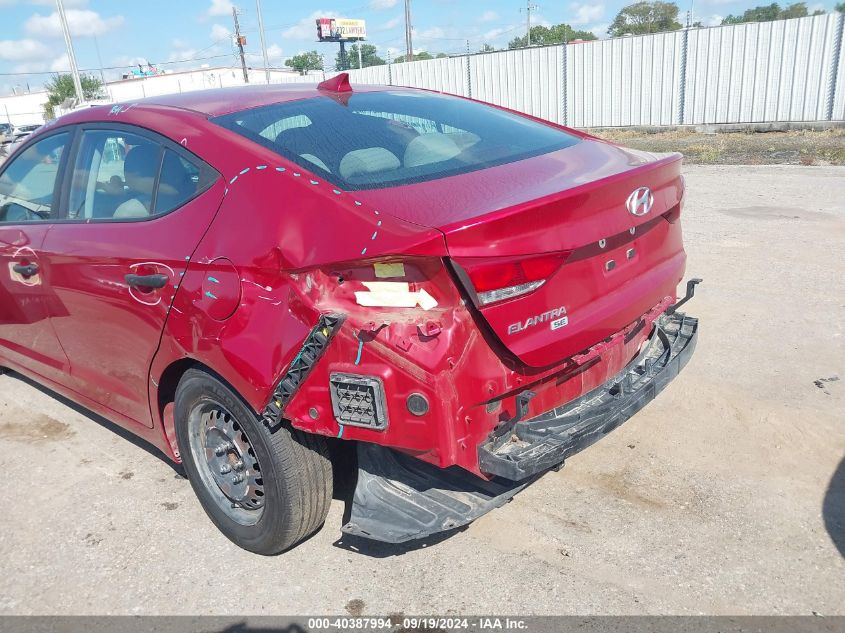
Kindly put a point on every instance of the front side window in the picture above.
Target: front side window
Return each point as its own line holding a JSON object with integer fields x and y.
{"x": 385, "y": 138}
{"x": 28, "y": 184}
{"x": 120, "y": 175}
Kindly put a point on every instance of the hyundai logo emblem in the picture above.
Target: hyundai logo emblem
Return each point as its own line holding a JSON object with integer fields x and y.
{"x": 640, "y": 201}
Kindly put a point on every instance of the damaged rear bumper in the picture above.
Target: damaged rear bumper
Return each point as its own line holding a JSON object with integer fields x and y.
{"x": 399, "y": 498}
{"x": 532, "y": 446}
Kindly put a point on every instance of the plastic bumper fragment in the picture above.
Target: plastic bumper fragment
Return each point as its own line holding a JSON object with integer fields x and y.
{"x": 400, "y": 498}
{"x": 312, "y": 349}
{"x": 518, "y": 451}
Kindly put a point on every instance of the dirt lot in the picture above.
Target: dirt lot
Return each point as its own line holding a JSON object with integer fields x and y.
{"x": 724, "y": 496}
{"x": 799, "y": 147}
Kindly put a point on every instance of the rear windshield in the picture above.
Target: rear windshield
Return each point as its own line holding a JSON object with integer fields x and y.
{"x": 381, "y": 139}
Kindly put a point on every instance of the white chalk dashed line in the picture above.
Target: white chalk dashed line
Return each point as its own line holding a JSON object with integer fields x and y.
{"x": 337, "y": 192}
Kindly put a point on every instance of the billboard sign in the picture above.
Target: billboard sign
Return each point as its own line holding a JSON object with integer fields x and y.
{"x": 340, "y": 29}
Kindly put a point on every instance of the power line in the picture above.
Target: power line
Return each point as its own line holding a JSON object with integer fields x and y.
{"x": 86, "y": 70}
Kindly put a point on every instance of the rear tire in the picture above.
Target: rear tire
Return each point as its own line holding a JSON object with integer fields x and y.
{"x": 265, "y": 490}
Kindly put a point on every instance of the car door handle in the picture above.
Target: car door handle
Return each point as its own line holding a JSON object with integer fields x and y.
{"x": 27, "y": 270}
{"x": 147, "y": 281}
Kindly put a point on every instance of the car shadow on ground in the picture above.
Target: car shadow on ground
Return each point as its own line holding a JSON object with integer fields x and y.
{"x": 244, "y": 627}
{"x": 833, "y": 508}
{"x": 344, "y": 467}
{"x": 106, "y": 424}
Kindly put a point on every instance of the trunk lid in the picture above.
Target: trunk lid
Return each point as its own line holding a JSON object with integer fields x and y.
{"x": 613, "y": 265}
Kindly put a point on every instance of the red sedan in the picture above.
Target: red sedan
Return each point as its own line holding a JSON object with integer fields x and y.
{"x": 249, "y": 277}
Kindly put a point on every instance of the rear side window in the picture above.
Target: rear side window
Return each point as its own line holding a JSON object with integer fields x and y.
{"x": 121, "y": 175}
{"x": 180, "y": 180}
{"x": 380, "y": 139}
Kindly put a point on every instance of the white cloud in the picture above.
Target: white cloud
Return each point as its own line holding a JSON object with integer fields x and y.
{"x": 60, "y": 64}
{"x": 306, "y": 28}
{"x": 381, "y": 5}
{"x": 392, "y": 51}
{"x": 275, "y": 53}
{"x": 219, "y": 32}
{"x": 220, "y": 7}
{"x": 489, "y": 16}
{"x": 129, "y": 61}
{"x": 390, "y": 24}
{"x": 714, "y": 20}
{"x": 434, "y": 32}
{"x": 493, "y": 34}
{"x": 599, "y": 30}
{"x": 182, "y": 53}
{"x": 81, "y": 22}
{"x": 586, "y": 13}
{"x": 24, "y": 50}
{"x": 539, "y": 20}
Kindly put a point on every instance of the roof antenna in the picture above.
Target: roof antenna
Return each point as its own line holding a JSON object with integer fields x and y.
{"x": 338, "y": 83}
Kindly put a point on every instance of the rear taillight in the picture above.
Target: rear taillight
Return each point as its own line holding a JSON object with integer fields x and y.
{"x": 498, "y": 278}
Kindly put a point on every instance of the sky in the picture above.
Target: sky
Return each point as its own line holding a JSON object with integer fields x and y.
{"x": 181, "y": 34}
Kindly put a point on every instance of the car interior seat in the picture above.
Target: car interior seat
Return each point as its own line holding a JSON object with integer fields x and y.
{"x": 139, "y": 171}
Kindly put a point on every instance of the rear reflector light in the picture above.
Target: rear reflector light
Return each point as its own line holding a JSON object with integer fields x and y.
{"x": 358, "y": 400}
{"x": 499, "y": 278}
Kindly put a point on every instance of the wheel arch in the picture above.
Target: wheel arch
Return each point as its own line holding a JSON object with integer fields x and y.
{"x": 165, "y": 396}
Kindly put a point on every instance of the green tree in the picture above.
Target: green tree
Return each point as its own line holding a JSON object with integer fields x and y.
{"x": 486, "y": 48}
{"x": 60, "y": 87}
{"x": 840, "y": 7}
{"x": 770, "y": 12}
{"x": 546, "y": 35}
{"x": 420, "y": 56}
{"x": 368, "y": 57}
{"x": 642, "y": 18}
{"x": 310, "y": 60}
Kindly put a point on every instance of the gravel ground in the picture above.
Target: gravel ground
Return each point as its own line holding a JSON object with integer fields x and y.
{"x": 724, "y": 496}
{"x": 797, "y": 147}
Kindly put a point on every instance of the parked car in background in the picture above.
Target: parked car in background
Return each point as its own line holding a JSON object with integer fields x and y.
{"x": 20, "y": 132}
{"x": 5, "y": 132}
{"x": 463, "y": 295}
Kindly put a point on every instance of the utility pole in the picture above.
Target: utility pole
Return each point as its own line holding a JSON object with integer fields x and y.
{"x": 409, "y": 45}
{"x": 71, "y": 57}
{"x": 263, "y": 42}
{"x": 528, "y": 9}
{"x": 240, "y": 40}
{"x": 100, "y": 61}
{"x": 344, "y": 58}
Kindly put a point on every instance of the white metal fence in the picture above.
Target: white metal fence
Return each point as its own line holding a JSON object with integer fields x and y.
{"x": 767, "y": 72}
{"x": 789, "y": 70}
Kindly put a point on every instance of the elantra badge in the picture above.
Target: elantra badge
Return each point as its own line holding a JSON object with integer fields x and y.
{"x": 640, "y": 201}
{"x": 557, "y": 317}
